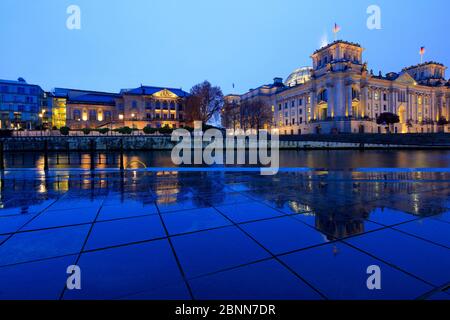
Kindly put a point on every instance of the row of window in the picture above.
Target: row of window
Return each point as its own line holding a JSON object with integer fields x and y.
{"x": 20, "y": 108}
{"x": 92, "y": 115}
{"x": 402, "y": 97}
{"x": 19, "y": 90}
{"x": 300, "y": 102}
{"x": 15, "y": 99}
{"x": 158, "y": 105}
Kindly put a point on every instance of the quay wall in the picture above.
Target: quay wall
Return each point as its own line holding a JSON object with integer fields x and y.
{"x": 152, "y": 142}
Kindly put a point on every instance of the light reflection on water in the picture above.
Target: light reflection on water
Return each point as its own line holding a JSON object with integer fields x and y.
{"x": 331, "y": 160}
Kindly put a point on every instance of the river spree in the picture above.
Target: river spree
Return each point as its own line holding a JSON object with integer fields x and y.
{"x": 330, "y": 160}
{"x": 170, "y": 234}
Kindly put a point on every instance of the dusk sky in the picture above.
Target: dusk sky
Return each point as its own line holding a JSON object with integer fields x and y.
{"x": 178, "y": 43}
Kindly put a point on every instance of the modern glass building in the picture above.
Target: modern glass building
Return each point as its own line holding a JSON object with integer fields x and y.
{"x": 21, "y": 104}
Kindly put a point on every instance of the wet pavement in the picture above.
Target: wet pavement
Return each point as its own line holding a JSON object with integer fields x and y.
{"x": 225, "y": 235}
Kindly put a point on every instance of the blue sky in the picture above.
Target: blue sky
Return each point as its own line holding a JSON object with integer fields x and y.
{"x": 178, "y": 43}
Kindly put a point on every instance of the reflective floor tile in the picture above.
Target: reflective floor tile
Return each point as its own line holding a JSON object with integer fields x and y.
{"x": 119, "y": 232}
{"x": 443, "y": 216}
{"x": 194, "y": 220}
{"x": 429, "y": 229}
{"x": 340, "y": 272}
{"x": 29, "y": 246}
{"x": 172, "y": 292}
{"x": 10, "y": 224}
{"x": 336, "y": 226}
{"x": 172, "y": 204}
{"x": 226, "y": 198}
{"x": 215, "y": 250}
{"x": 76, "y": 203}
{"x": 264, "y": 280}
{"x": 285, "y": 234}
{"x": 439, "y": 296}
{"x": 41, "y": 280}
{"x": 25, "y": 209}
{"x": 250, "y": 211}
{"x": 119, "y": 272}
{"x": 2, "y": 238}
{"x": 390, "y": 217}
{"x": 423, "y": 259}
{"x": 126, "y": 210}
{"x": 60, "y": 218}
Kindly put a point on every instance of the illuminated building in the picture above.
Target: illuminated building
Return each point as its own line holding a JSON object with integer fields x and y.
{"x": 136, "y": 108}
{"x": 341, "y": 95}
{"x": 20, "y": 104}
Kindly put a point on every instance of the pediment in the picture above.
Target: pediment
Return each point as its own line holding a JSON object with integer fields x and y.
{"x": 165, "y": 94}
{"x": 405, "y": 78}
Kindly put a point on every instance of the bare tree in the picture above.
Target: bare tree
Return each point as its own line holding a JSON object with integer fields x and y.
{"x": 255, "y": 114}
{"x": 204, "y": 103}
{"x": 230, "y": 115}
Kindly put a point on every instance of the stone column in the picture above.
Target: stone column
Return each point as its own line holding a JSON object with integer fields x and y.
{"x": 331, "y": 100}
{"x": 348, "y": 109}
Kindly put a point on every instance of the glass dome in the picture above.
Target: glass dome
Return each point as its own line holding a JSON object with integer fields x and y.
{"x": 299, "y": 76}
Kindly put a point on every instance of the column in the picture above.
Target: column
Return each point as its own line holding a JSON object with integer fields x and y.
{"x": 348, "y": 110}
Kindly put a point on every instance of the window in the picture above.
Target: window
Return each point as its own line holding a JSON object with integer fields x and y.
{"x": 172, "y": 116}
{"x": 292, "y": 104}
{"x": 164, "y": 116}
{"x": 287, "y": 122}
{"x": 21, "y": 90}
{"x": 158, "y": 116}
{"x": 134, "y": 104}
{"x": 180, "y": 116}
{"x": 384, "y": 97}
{"x": 279, "y": 106}
{"x": 76, "y": 115}
{"x": 300, "y": 121}
{"x": 4, "y": 89}
{"x": 108, "y": 115}
{"x": 300, "y": 111}
{"x": 384, "y": 108}
{"x": 158, "y": 105}
{"x": 180, "y": 107}
{"x": 286, "y": 105}
{"x": 92, "y": 115}
{"x": 149, "y": 116}
{"x": 172, "y": 106}
{"x": 377, "y": 95}
{"x": 148, "y": 105}
{"x": 300, "y": 102}
{"x": 165, "y": 106}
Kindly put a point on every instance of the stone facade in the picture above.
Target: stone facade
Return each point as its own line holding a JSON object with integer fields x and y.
{"x": 343, "y": 96}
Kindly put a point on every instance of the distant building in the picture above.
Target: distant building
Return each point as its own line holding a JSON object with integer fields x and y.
{"x": 21, "y": 104}
{"x": 340, "y": 94}
{"x": 137, "y": 108}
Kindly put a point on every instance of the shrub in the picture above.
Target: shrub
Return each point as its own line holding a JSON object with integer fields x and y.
{"x": 125, "y": 130}
{"x": 64, "y": 131}
{"x": 442, "y": 121}
{"x": 165, "y": 130}
{"x": 86, "y": 131}
{"x": 103, "y": 130}
{"x": 149, "y": 130}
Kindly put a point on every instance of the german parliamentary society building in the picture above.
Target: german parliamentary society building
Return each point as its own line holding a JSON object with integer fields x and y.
{"x": 339, "y": 94}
